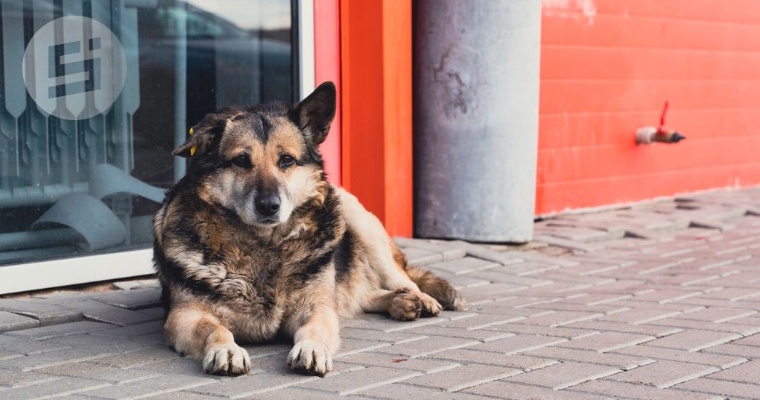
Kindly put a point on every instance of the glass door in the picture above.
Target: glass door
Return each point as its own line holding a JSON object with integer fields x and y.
{"x": 95, "y": 94}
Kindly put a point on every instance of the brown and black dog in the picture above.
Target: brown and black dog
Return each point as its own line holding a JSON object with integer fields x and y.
{"x": 254, "y": 242}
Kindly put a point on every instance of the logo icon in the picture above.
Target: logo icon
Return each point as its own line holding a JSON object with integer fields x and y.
{"x": 74, "y": 68}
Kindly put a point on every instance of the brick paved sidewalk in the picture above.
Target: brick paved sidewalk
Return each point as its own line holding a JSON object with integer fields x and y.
{"x": 653, "y": 302}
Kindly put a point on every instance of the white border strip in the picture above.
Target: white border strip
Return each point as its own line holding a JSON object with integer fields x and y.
{"x": 75, "y": 270}
{"x": 307, "y": 74}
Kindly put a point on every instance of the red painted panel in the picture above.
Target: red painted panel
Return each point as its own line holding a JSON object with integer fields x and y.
{"x": 327, "y": 68}
{"x": 376, "y": 58}
{"x": 607, "y": 67}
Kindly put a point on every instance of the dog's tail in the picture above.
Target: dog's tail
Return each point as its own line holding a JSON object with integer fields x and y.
{"x": 437, "y": 287}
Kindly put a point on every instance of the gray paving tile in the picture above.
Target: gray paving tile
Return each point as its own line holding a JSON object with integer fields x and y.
{"x": 67, "y": 329}
{"x": 12, "y": 322}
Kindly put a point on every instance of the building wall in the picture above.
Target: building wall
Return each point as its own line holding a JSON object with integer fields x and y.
{"x": 608, "y": 66}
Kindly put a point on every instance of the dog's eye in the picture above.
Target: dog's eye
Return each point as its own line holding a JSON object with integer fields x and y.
{"x": 242, "y": 161}
{"x": 286, "y": 161}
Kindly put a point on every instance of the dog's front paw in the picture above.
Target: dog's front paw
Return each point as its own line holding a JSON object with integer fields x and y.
{"x": 227, "y": 359}
{"x": 311, "y": 358}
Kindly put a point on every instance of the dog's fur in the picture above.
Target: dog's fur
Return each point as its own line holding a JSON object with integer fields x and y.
{"x": 254, "y": 242}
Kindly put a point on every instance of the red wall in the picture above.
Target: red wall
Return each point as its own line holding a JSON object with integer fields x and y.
{"x": 607, "y": 67}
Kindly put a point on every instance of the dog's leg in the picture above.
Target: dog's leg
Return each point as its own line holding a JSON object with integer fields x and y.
{"x": 196, "y": 332}
{"x": 316, "y": 338}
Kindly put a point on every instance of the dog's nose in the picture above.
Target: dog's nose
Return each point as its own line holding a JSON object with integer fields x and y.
{"x": 267, "y": 204}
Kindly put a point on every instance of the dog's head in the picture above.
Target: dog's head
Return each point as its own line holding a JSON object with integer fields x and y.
{"x": 262, "y": 162}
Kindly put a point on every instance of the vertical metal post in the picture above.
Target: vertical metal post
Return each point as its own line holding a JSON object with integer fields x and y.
{"x": 476, "y": 81}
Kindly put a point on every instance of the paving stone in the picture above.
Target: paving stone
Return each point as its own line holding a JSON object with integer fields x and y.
{"x": 740, "y": 329}
{"x": 98, "y": 372}
{"x": 559, "y": 331}
{"x": 255, "y": 382}
{"x": 619, "y": 361}
{"x": 651, "y": 330}
{"x": 181, "y": 395}
{"x": 485, "y": 253}
{"x": 448, "y": 252}
{"x": 718, "y": 314}
{"x": 528, "y": 268}
{"x": 60, "y": 388}
{"x": 503, "y": 274}
{"x": 746, "y": 372}
{"x": 419, "y": 257}
{"x": 664, "y": 374}
{"x": 149, "y": 328}
{"x": 402, "y": 391}
{"x": 609, "y": 389}
{"x": 136, "y": 299}
{"x": 142, "y": 356}
{"x": 359, "y": 380}
{"x": 53, "y": 331}
{"x": 606, "y": 341}
{"x": 106, "y": 344}
{"x": 488, "y": 291}
{"x": 563, "y": 375}
{"x": 736, "y": 350}
{"x": 477, "y": 334}
{"x": 42, "y": 310}
{"x": 694, "y": 340}
{"x": 568, "y": 244}
{"x": 102, "y": 312}
{"x": 560, "y": 318}
{"x": 515, "y": 391}
{"x": 430, "y": 345}
{"x": 161, "y": 385}
{"x": 462, "y": 377}
{"x": 52, "y": 358}
{"x": 731, "y": 390}
{"x": 385, "y": 324}
{"x": 11, "y": 322}
{"x": 640, "y": 316}
{"x": 517, "y": 344}
{"x": 752, "y": 340}
{"x": 13, "y": 347}
{"x": 696, "y": 357}
{"x": 290, "y": 393}
{"x": 463, "y": 265}
{"x": 423, "y": 365}
{"x": 11, "y": 379}
{"x": 467, "y": 356}
{"x": 380, "y": 336}
{"x": 598, "y": 298}
{"x": 733, "y": 294}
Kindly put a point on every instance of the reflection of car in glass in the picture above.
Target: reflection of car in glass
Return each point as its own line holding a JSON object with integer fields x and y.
{"x": 225, "y": 65}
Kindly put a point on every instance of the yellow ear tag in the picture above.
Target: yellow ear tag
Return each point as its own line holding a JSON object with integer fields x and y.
{"x": 194, "y": 148}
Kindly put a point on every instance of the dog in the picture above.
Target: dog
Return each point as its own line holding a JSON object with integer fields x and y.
{"x": 254, "y": 243}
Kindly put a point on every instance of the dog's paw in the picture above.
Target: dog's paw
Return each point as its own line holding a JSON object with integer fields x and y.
{"x": 406, "y": 305}
{"x": 227, "y": 359}
{"x": 311, "y": 358}
{"x": 430, "y": 306}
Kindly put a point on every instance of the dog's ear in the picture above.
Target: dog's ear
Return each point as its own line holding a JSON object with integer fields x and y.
{"x": 315, "y": 113}
{"x": 202, "y": 136}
